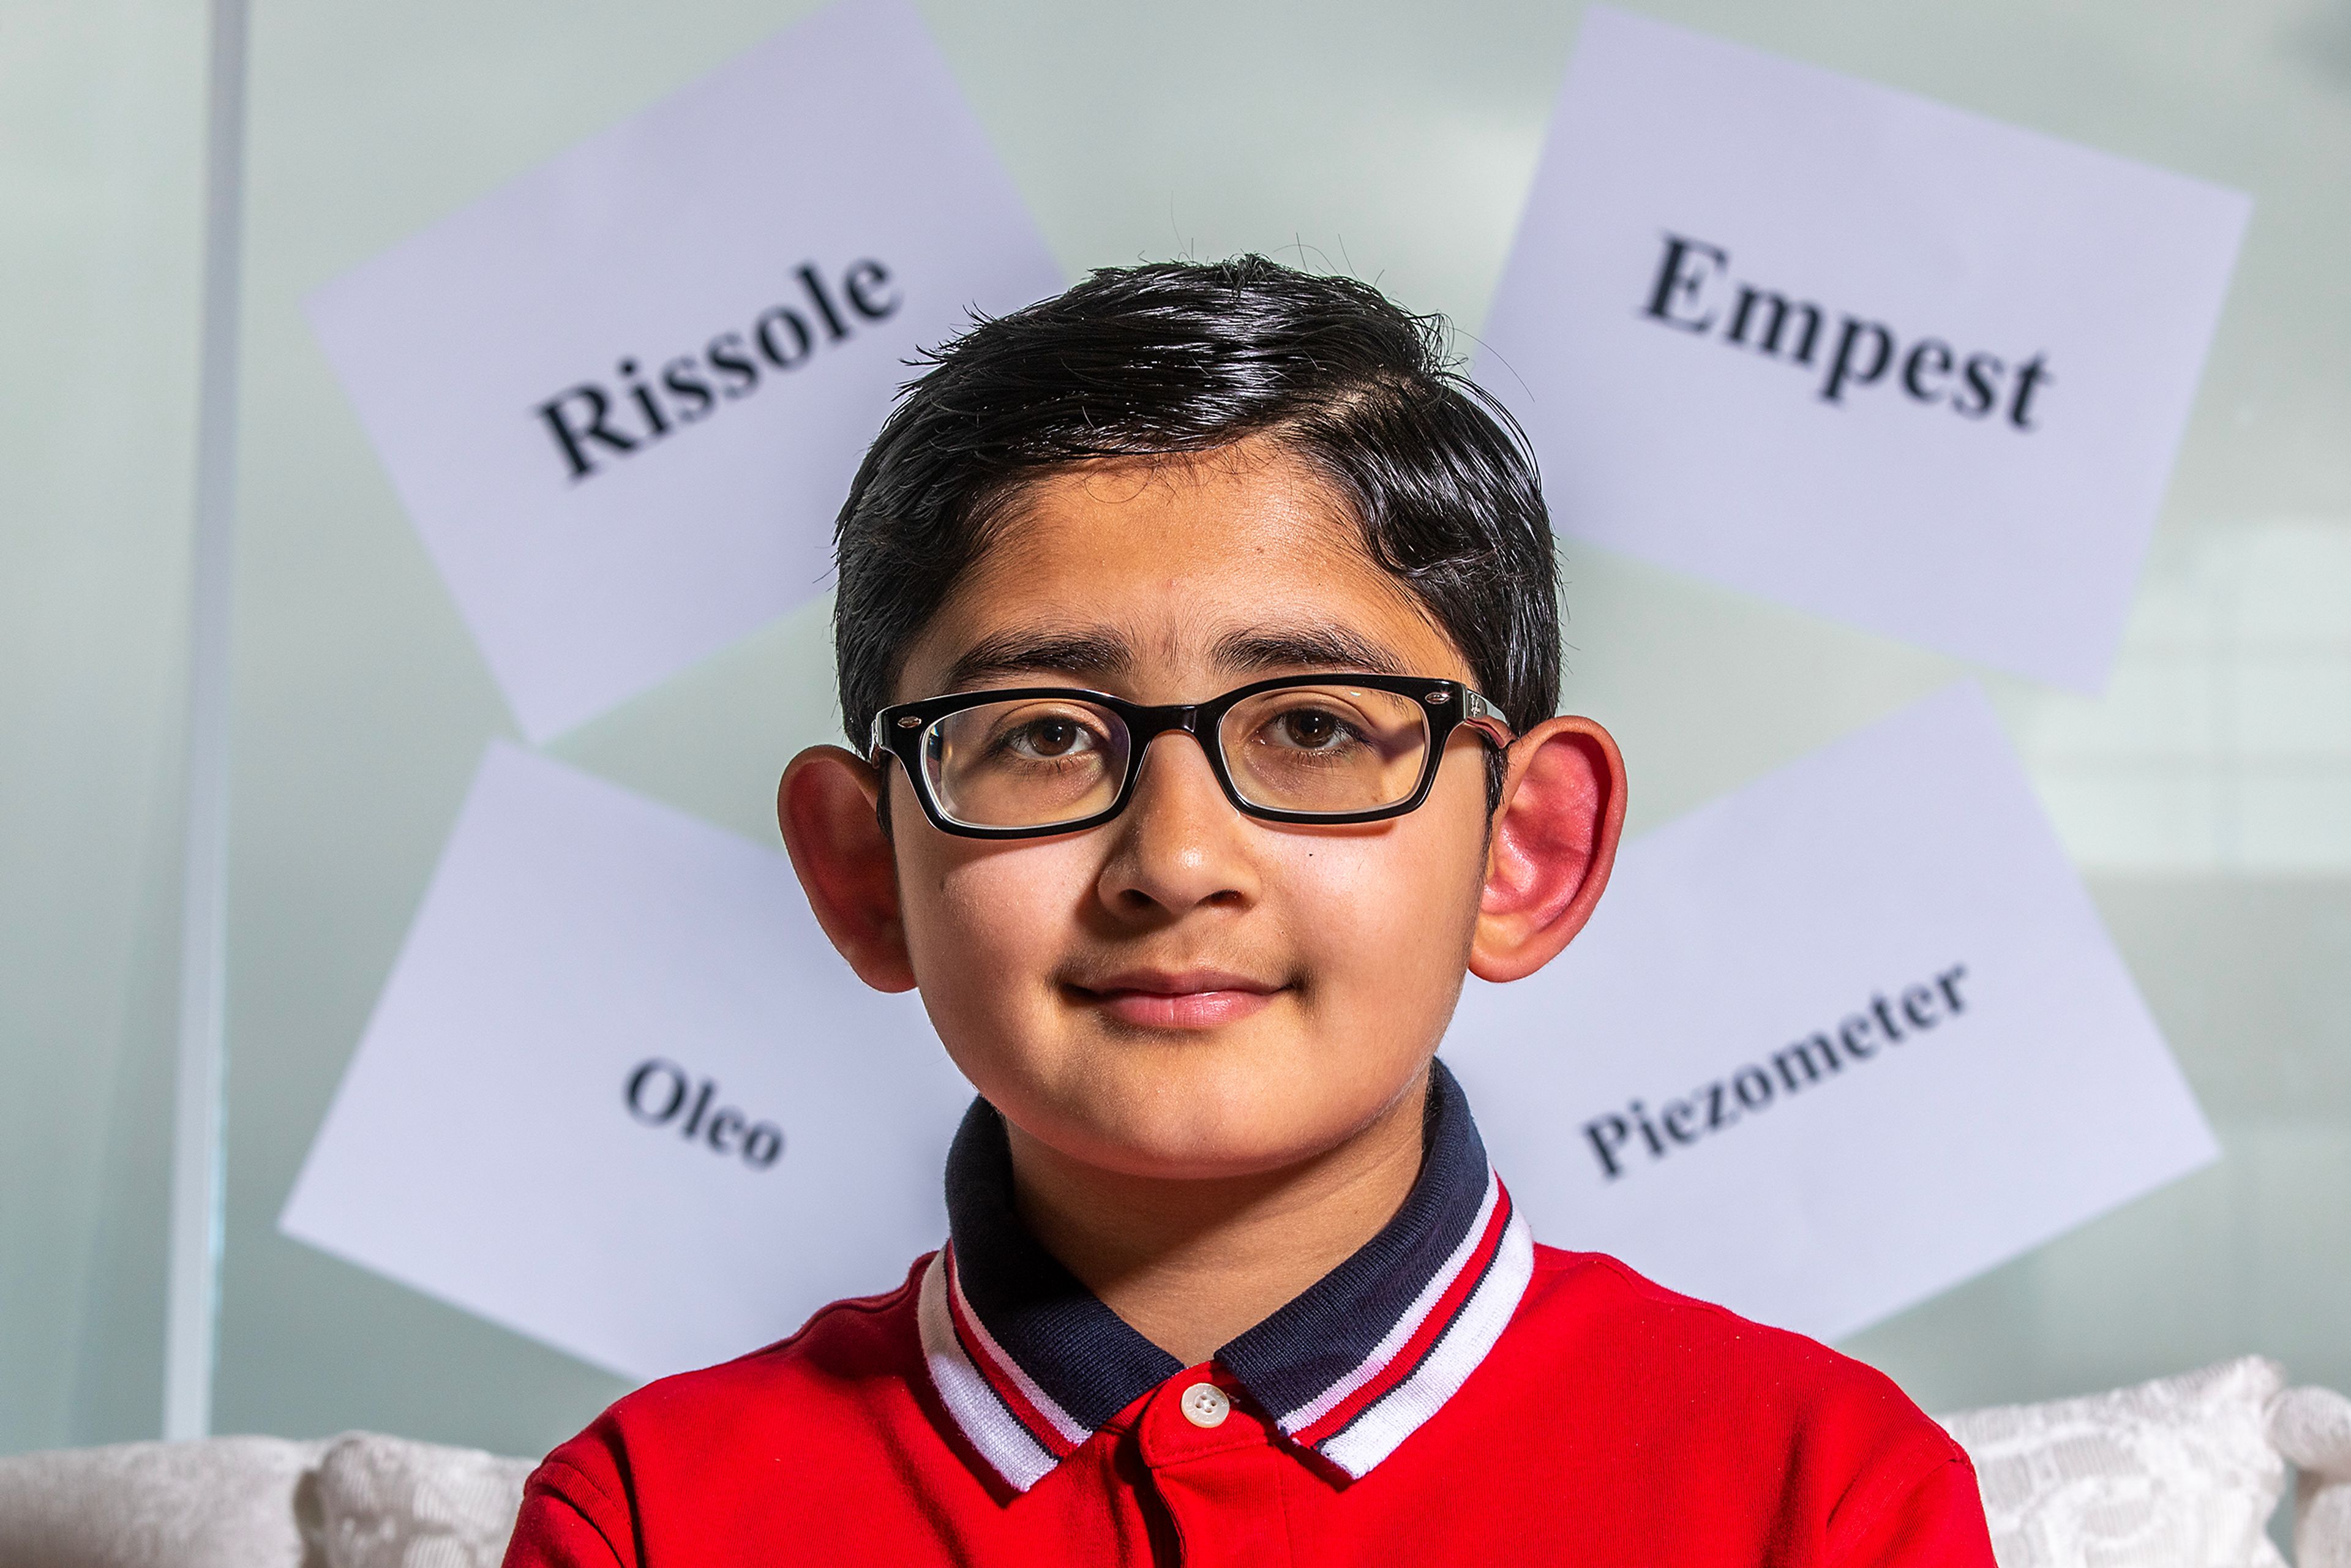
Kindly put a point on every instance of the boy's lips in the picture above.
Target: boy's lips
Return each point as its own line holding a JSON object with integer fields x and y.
{"x": 1191, "y": 999}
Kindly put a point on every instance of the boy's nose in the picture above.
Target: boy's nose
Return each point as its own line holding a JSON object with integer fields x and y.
{"x": 1180, "y": 843}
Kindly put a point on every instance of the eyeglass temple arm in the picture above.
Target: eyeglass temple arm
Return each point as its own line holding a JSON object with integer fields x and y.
{"x": 879, "y": 751}
{"x": 1485, "y": 717}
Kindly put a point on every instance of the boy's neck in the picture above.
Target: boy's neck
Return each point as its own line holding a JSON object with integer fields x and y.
{"x": 1192, "y": 1265}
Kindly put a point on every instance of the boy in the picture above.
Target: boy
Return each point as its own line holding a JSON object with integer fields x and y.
{"x": 1198, "y": 630}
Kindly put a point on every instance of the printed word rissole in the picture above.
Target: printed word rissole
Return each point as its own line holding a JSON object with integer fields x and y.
{"x": 1694, "y": 292}
{"x": 593, "y": 420}
{"x": 1716, "y": 1107}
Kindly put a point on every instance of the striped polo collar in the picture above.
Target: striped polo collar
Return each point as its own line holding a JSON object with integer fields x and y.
{"x": 1030, "y": 1364}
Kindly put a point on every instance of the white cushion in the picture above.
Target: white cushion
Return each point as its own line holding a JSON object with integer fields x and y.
{"x": 229, "y": 1503}
{"x": 2175, "y": 1473}
{"x": 2312, "y": 1426}
{"x": 386, "y": 1502}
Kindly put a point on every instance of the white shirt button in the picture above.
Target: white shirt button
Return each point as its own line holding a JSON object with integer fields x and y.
{"x": 1206, "y": 1404}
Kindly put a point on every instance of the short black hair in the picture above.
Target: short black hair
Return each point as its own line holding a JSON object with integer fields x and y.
{"x": 1176, "y": 358}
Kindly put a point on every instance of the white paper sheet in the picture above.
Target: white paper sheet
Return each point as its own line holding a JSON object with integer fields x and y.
{"x": 1836, "y": 1043}
{"x": 2001, "y": 518}
{"x": 485, "y": 1146}
{"x": 667, "y": 254}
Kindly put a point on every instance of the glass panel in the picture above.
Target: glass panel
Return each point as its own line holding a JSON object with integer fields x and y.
{"x": 102, "y": 179}
{"x": 2207, "y": 793}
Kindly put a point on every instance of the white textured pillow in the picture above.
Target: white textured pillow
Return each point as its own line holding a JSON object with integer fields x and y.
{"x": 2312, "y": 1426}
{"x": 387, "y": 1502}
{"x": 226, "y": 1502}
{"x": 2175, "y": 1473}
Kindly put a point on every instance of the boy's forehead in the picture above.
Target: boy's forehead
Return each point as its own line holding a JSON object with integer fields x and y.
{"x": 1130, "y": 573}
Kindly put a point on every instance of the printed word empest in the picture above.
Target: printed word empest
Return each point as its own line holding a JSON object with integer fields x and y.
{"x": 1694, "y": 292}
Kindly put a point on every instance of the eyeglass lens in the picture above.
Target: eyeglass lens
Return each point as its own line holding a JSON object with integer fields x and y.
{"x": 1033, "y": 762}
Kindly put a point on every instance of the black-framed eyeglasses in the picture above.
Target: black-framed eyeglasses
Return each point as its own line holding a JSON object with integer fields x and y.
{"x": 1033, "y": 760}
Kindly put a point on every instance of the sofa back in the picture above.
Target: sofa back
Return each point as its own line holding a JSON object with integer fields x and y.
{"x": 2181, "y": 1472}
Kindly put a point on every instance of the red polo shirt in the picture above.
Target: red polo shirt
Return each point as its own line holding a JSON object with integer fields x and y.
{"x": 1453, "y": 1393}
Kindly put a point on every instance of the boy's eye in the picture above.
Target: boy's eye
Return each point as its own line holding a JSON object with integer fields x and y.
{"x": 1047, "y": 739}
{"x": 1310, "y": 729}
{"x": 1025, "y": 733}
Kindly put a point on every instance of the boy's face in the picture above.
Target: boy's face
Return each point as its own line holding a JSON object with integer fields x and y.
{"x": 1185, "y": 992}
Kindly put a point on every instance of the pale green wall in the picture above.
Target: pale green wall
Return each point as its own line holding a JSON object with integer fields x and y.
{"x": 2208, "y": 794}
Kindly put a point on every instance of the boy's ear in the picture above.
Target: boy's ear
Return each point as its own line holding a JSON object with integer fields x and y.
{"x": 1554, "y": 840}
{"x": 826, "y": 807}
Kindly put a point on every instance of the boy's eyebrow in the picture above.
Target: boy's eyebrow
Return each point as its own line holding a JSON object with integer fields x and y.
{"x": 1024, "y": 651}
{"x": 1285, "y": 647}
{"x": 1101, "y": 655}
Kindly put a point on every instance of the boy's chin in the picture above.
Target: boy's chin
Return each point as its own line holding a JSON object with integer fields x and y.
{"x": 1180, "y": 1127}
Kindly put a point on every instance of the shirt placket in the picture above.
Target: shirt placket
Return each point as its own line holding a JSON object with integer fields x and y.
{"x": 1219, "y": 1466}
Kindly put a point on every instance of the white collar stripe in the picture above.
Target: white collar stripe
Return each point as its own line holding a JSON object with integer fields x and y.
{"x": 1375, "y": 1434}
{"x": 1466, "y": 1285}
{"x": 1398, "y": 1337}
{"x": 985, "y": 1421}
{"x": 1059, "y": 1422}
